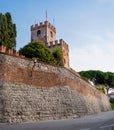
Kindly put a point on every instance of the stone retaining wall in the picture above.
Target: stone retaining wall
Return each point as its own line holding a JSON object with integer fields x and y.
{"x": 35, "y": 91}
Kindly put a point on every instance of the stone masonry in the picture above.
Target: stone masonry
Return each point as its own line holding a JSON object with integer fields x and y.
{"x": 32, "y": 91}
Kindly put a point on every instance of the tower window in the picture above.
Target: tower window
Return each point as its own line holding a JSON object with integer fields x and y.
{"x": 51, "y": 33}
{"x": 38, "y": 33}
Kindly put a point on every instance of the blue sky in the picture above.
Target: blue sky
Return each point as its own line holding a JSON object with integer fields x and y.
{"x": 86, "y": 25}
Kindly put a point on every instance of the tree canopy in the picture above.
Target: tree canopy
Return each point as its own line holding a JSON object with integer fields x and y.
{"x": 38, "y": 50}
{"x": 7, "y": 31}
{"x": 98, "y": 77}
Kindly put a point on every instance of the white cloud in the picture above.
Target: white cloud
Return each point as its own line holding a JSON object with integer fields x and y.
{"x": 95, "y": 39}
{"x": 110, "y": 35}
{"x": 93, "y": 57}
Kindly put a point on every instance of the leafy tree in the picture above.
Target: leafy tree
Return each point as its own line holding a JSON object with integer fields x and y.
{"x": 110, "y": 79}
{"x": 58, "y": 55}
{"x": 98, "y": 77}
{"x": 89, "y": 75}
{"x": 38, "y": 50}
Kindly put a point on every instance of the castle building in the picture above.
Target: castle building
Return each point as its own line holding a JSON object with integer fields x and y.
{"x": 46, "y": 33}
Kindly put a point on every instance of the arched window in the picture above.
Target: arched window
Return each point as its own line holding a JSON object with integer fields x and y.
{"x": 51, "y": 33}
{"x": 38, "y": 32}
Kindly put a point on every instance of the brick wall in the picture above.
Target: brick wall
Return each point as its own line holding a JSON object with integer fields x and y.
{"x": 35, "y": 91}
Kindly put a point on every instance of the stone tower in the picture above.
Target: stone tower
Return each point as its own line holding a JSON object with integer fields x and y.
{"x": 46, "y": 33}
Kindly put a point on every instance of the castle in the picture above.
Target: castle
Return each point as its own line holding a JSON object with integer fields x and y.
{"x": 33, "y": 91}
{"x": 46, "y": 33}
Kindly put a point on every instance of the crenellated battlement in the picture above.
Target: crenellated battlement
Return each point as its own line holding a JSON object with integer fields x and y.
{"x": 4, "y": 50}
{"x": 43, "y": 24}
{"x": 63, "y": 46}
{"x": 59, "y": 42}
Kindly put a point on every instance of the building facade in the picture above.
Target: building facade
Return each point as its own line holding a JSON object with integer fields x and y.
{"x": 46, "y": 33}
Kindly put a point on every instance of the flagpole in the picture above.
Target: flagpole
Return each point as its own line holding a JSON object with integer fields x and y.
{"x": 46, "y": 15}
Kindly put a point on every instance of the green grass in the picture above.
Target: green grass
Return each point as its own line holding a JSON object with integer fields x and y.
{"x": 112, "y": 105}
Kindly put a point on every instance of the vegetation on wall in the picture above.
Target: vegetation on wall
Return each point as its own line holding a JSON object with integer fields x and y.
{"x": 98, "y": 77}
{"x": 112, "y": 103}
{"x": 38, "y": 50}
{"x": 101, "y": 88}
{"x": 58, "y": 56}
{"x": 7, "y": 31}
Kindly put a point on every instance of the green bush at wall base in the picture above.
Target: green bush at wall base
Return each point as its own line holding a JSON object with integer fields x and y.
{"x": 112, "y": 100}
{"x": 112, "y": 105}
